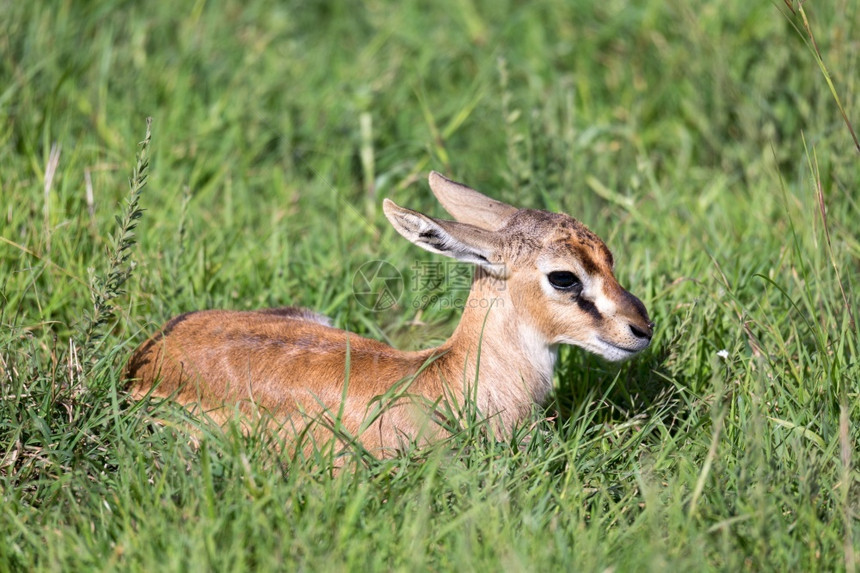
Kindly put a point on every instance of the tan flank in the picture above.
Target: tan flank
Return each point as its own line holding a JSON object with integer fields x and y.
{"x": 541, "y": 279}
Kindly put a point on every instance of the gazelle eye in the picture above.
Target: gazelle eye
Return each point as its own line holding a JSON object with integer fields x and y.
{"x": 564, "y": 280}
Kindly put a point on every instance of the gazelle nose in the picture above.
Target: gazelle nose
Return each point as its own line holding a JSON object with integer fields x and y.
{"x": 639, "y": 333}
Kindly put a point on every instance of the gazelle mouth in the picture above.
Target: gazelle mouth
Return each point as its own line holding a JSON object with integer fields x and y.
{"x": 617, "y": 352}
{"x": 622, "y": 348}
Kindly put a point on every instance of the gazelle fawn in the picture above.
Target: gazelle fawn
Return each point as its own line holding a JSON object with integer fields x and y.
{"x": 541, "y": 279}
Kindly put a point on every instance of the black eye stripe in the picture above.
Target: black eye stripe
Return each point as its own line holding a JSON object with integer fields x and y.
{"x": 564, "y": 280}
{"x": 588, "y": 306}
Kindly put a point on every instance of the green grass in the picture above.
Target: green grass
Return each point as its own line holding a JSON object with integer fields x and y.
{"x": 695, "y": 138}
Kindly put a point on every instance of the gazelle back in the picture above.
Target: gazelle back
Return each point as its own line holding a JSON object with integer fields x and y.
{"x": 542, "y": 279}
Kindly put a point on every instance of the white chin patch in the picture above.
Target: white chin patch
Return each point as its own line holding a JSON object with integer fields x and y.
{"x": 607, "y": 350}
{"x": 614, "y": 353}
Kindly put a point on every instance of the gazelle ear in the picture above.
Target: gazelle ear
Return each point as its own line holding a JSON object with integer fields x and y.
{"x": 469, "y": 206}
{"x": 459, "y": 241}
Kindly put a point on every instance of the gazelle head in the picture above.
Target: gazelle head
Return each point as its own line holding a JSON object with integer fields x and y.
{"x": 558, "y": 274}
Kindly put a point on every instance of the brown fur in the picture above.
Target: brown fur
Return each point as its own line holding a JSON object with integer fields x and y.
{"x": 291, "y": 364}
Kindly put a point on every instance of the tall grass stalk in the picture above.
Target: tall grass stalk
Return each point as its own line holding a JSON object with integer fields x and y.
{"x": 106, "y": 288}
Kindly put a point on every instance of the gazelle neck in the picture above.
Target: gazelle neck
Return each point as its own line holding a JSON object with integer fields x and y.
{"x": 496, "y": 348}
